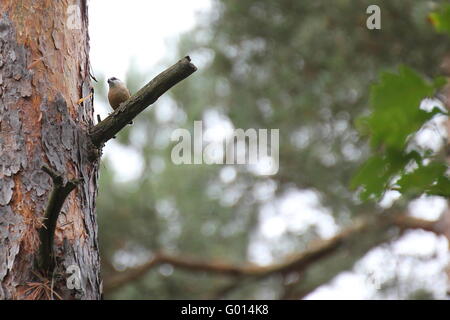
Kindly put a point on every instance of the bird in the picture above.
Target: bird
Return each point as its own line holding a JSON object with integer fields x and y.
{"x": 118, "y": 92}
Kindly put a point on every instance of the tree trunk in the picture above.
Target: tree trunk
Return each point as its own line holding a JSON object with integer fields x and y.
{"x": 44, "y": 72}
{"x": 445, "y": 97}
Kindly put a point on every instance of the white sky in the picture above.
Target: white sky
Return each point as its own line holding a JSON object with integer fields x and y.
{"x": 139, "y": 30}
{"x": 136, "y": 29}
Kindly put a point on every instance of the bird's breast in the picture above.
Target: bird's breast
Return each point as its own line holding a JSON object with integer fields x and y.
{"x": 118, "y": 95}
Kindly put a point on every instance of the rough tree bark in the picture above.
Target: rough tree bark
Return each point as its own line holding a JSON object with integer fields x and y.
{"x": 44, "y": 72}
{"x": 445, "y": 97}
{"x": 50, "y": 149}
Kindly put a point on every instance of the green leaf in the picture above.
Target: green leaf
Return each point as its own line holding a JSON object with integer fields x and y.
{"x": 441, "y": 19}
{"x": 439, "y": 82}
{"x": 378, "y": 171}
{"x": 395, "y": 117}
{"x": 441, "y": 188}
{"x": 395, "y": 101}
{"x": 423, "y": 179}
{"x": 371, "y": 178}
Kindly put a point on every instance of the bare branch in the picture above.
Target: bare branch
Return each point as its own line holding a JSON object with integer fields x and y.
{"x": 405, "y": 222}
{"x": 126, "y": 112}
{"x": 297, "y": 263}
{"x": 61, "y": 190}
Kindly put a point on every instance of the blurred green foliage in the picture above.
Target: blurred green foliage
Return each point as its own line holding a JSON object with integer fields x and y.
{"x": 395, "y": 118}
{"x": 396, "y": 114}
{"x": 441, "y": 18}
{"x": 304, "y": 67}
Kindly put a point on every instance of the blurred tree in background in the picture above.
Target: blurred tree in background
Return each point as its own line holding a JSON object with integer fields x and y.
{"x": 304, "y": 67}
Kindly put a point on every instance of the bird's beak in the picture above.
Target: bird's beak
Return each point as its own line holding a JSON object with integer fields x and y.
{"x": 109, "y": 80}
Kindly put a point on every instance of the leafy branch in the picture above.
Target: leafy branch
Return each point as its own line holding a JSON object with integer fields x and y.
{"x": 396, "y": 164}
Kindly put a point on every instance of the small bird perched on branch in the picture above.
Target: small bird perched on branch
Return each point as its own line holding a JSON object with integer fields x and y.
{"x": 118, "y": 92}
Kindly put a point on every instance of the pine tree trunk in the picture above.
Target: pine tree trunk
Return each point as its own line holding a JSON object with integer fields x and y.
{"x": 445, "y": 95}
{"x": 44, "y": 72}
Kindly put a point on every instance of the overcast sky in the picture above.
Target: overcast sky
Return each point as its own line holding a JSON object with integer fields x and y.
{"x": 137, "y": 29}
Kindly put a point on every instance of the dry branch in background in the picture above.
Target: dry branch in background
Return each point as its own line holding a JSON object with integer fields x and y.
{"x": 348, "y": 239}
